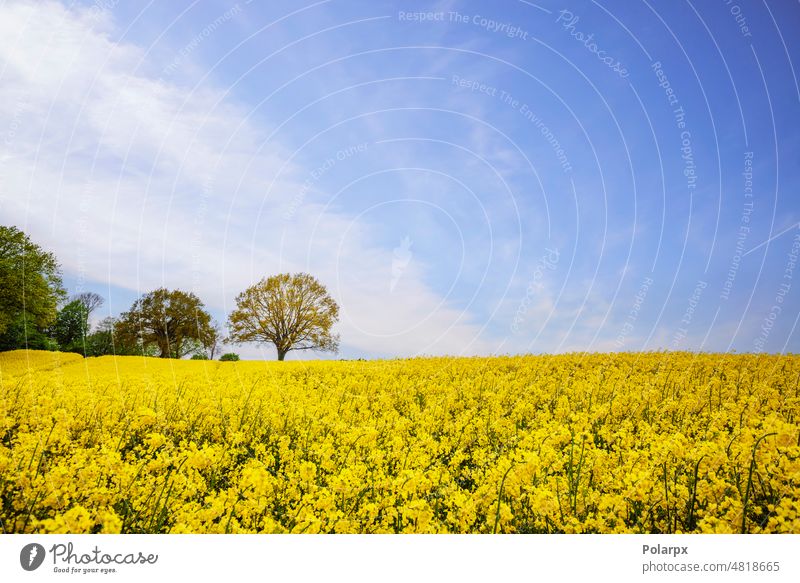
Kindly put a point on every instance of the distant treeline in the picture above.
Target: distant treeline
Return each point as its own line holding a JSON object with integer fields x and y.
{"x": 290, "y": 311}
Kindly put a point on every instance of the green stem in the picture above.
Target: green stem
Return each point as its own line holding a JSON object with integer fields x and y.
{"x": 499, "y": 498}
{"x": 750, "y": 480}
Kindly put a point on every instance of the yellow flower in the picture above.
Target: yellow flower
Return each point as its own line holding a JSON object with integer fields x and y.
{"x": 621, "y": 443}
{"x": 307, "y": 471}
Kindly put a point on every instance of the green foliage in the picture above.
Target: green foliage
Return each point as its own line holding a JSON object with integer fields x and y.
{"x": 71, "y": 327}
{"x": 210, "y": 340}
{"x": 21, "y": 334}
{"x": 229, "y": 357}
{"x": 199, "y": 356}
{"x": 107, "y": 340}
{"x": 100, "y": 343}
{"x": 291, "y": 311}
{"x": 30, "y": 290}
{"x": 173, "y": 324}
{"x": 103, "y": 341}
{"x": 89, "y": 300}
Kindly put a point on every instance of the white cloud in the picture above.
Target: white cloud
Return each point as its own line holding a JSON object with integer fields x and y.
{"x": 140, "y": 182}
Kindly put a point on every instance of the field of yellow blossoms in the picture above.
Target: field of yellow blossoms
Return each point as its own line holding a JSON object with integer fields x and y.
{"x": 638, "y": 443}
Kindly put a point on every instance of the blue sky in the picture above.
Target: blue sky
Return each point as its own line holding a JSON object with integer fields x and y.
{"x": 465, "y": 177}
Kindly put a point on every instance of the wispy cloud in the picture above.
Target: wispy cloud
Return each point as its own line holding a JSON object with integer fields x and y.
{"x": 140, "y": 182}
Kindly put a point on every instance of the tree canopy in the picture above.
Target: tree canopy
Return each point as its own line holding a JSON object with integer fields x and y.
{"x": 291, "y": 311}
{"x": 71, "y": 327}
{"x": 30, "y": 287}
{"x": 89, "y": 300}
{"x": 173, "y": 322}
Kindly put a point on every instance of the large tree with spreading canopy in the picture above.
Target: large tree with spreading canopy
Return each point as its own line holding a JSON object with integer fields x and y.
{"x": 173, "y": 322}
{"x": 291, "y": 311}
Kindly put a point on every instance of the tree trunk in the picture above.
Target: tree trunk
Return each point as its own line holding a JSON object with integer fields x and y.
{"x": 281, "y": 353}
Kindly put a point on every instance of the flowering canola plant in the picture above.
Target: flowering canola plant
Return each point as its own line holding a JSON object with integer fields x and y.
{"x": 596, "y": 443}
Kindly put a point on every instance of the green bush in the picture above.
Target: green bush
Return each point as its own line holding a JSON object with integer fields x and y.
{"x": 229, "y": 356}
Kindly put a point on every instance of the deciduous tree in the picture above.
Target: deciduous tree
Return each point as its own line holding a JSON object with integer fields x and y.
{"x": 173, "y": 322}
{"x": 90, "y": 301}
{"x": 291, "y": 311}
{"x": 71, "y": 327}
{"x": 30, "y": 288}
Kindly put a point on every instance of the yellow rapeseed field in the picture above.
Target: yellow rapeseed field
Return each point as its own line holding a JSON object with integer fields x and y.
{"x": 653, "y": 443}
